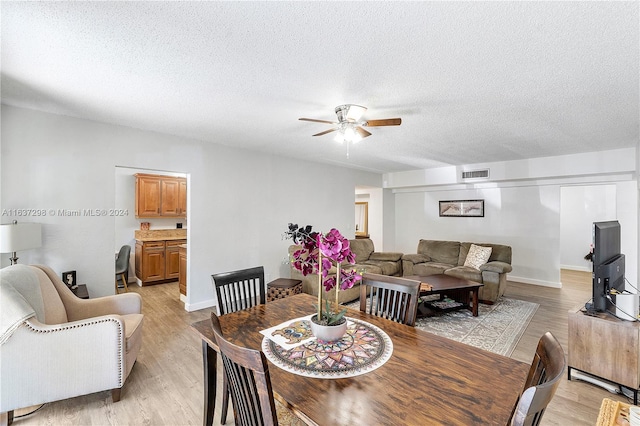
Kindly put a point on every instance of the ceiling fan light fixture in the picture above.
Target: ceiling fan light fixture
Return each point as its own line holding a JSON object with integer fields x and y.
{"x": 349, "y": 112}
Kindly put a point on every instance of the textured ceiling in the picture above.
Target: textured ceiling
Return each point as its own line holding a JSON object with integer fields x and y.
{"x": 472, "y": 81}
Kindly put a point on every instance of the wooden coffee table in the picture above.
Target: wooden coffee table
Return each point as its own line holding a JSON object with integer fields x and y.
{"x": 461, "y": 290}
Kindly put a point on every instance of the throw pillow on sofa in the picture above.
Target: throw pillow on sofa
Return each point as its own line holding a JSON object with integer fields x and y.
{"x": 477, "y": 256}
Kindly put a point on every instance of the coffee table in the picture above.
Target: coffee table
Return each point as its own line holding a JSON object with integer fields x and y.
{"x": 461, "y": 290}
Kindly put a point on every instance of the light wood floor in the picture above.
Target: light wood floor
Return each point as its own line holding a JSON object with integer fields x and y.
{"x": 165, "y": 386}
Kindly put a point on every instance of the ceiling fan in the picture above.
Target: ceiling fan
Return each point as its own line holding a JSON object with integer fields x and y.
{"x": 349, "y": 126}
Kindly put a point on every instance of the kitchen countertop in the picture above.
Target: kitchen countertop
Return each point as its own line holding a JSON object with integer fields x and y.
{"x": 161, "y": 235}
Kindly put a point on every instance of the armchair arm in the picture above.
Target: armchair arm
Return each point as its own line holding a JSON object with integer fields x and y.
{"x": 45, "y": 363}
{"x": 416, "y": 258}
{"x": 118, "y": 304}
{"x": 496, "y": 266}
{"x": 385, "y": 256}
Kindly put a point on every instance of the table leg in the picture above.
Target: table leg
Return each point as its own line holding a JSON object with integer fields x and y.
{"x": 210, "y": 364}
{"x": 475, "y": 302}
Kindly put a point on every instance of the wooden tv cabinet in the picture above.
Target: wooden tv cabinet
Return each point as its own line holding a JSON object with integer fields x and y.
{"x": 606, "y": 347}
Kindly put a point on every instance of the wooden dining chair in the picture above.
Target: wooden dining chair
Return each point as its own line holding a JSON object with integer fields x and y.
{"x": 238, "y": 290}
{"x": 543, "y": 379}
{"x": 393, "y": 298}
{"x": 250, "y": 384}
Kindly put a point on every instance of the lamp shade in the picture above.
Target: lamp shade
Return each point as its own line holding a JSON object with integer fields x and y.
{"x": 20, "y": 236}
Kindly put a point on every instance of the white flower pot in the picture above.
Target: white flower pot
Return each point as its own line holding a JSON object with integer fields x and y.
{"x": 328, "y": 333}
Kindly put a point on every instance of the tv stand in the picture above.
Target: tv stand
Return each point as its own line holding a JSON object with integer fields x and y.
{"x": 606, "y": 347}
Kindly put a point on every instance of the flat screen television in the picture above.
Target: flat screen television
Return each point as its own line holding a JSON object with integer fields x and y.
{"x": 608, "y": 263}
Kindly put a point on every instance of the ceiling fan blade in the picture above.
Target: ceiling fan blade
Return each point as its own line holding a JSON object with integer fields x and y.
{"x": 325, "y": 132}
{"x": 317, "y": 121}
{"x": 363, "y": 133}
{"x": 384, "y": 122}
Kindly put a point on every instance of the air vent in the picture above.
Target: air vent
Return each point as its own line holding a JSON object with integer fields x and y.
{"x": 476, "y": 174}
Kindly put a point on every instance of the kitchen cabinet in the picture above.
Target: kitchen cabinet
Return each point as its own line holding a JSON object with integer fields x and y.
{"x": 148, "y": 190}
{"x": 160, "y": 196}
{"x": 172, "y": 256}
{"x": 158, "y": 261}
{"x": 150, "y": 263}
{"x": 182, "y": 278}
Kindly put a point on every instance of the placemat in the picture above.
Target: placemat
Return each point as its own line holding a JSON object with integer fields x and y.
{"x": 364, "y": 348}
{"x": 613, "y": 413}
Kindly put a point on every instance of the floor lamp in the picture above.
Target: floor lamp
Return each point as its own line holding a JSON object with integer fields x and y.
{"x": 16, "y": 236}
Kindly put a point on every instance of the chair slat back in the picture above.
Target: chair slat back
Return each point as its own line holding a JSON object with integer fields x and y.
{"x": 542, "y": 381}
{"x": 239, "y": 290}
{"x": 247, "y": 373}
{"x": 393, "y": 298}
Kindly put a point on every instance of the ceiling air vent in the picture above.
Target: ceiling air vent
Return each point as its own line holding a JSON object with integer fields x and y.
{"x": 476, "y": 174}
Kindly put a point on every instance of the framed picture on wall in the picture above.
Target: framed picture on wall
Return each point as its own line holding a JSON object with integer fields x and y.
{"x": 69, "y": 278}
{"x": 462, "y": 208}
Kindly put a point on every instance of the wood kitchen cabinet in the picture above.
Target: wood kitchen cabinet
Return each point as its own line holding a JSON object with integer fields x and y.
{"x": 182, "y": 278}
{"x": 148, "y": 189}
{"x": 150, "y": 261}
{"x": 182, "y": 197}
{"x": 158, "y": 261}
{"x": 160, "y": 196}
{"x": 172, "y": 256}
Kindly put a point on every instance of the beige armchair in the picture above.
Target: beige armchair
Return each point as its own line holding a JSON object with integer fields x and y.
{"x": 54, "y": 345}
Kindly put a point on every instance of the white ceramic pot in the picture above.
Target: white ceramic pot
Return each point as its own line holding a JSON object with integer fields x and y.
{"x": 328, "y": 333}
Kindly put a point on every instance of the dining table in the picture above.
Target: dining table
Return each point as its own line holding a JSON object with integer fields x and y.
{"x": 427, "y": 379}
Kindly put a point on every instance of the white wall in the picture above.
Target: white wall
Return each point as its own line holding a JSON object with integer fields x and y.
{"x": 580, "y": 206}
{"x": 525, "y": 218}
{"x": 522, "y": 210}
{"x": 239, "y": 201}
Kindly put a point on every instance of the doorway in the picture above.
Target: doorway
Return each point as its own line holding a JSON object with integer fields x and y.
{"x": 580, "y": 206}
{"x": 127, "y": 223}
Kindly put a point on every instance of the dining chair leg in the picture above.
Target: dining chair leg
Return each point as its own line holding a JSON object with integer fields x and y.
{"x": 210, "y": 364}
{"x": 225, "y": 399}
{"x": 124, "y": 281}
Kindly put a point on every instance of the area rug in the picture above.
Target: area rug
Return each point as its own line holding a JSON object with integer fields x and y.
{"x": 497, "y": 328}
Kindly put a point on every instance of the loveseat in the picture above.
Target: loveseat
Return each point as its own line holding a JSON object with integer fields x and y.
{"x": 367, "y": 260}
{"x": 448, "y": 257}
{"x": 54, "y": 345}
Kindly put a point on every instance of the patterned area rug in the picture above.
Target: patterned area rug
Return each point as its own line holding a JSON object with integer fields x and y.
{"x": 497, "y": 328}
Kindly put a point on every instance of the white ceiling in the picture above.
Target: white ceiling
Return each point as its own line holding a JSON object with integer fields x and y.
{"x": 472, "y": 81}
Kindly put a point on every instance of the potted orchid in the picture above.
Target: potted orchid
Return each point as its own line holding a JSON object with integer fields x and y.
{"x": 317, "y": 254}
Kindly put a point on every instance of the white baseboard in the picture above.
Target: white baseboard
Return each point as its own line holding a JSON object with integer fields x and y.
{"x": 534, "y": 282}
{"x": 576, "y": 268}
{"x": 190, "y": 307}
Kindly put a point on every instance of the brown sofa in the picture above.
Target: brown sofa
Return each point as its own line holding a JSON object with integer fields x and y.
{"x": 448, "y": 257}
{"x": 367, "y": 260}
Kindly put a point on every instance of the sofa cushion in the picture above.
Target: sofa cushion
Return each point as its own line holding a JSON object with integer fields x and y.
{"x": 388, "y": 256}
{"x": 371, "y": 268}
{"x": 477, "y": 256}
{"x": 465, "y": 272}
{"x": 430, "y": 268}
{"x": 499, "y": 252}
{"x": 362, "y": 248}
{"x": 440, "y": 251}
{"x": 386, "y": 268}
